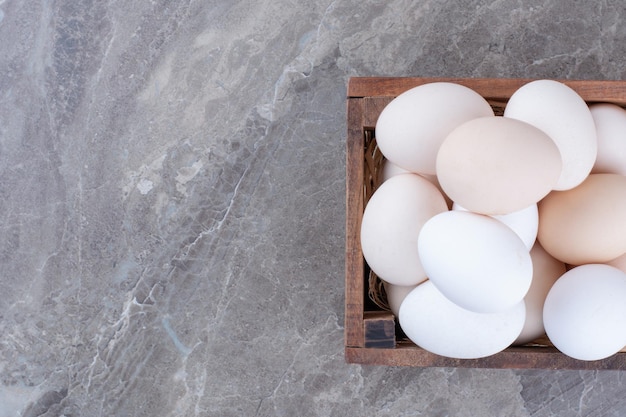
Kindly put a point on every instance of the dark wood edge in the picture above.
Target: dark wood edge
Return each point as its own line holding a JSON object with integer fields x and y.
{"x": 499, "y": 89}
{"x": 511, "y": 358}
{"x": 354, "y": 307}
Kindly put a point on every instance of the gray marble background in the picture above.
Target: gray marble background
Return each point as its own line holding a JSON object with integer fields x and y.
{"x": 172, "y": 201}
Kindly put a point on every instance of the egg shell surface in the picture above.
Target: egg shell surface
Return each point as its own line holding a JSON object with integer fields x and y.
{"x": 410, "y": 129}
{"x": 619, "y": 262}
{"x": 396, "y": 294}
{"x": 391, "y": 224}
{"x": 586, "y": 224}
{"x": 610, "y": 122}
{"x": 523, "y": 222}
{"x": 564, "y": 116}
{"x": 585, "y": 313}
{"x": 546, "y": 270}
{"x": 389, "y": 169}
{"x": 438, "y": 325}
{"x": 475, "y": 261}
{"x": 495, "y": 165}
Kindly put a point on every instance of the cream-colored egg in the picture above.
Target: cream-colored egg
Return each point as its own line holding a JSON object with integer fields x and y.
{"x": 438, "y": 325}
{"x": 523, "y": 222}
{"x": 495, "y": 165}
{"x": 586, "y": 224}
{"x": 619, "y": 262}
{"x": 610, "y": 122}
{"x": 395, "y": 295}
{"x": 546, "y": 270}
{"x": 412, "y": 126}
{"x": 475, "y": 261}
{"x": 585, "y": 313}
{"x": 391, "y": 223}
{"x": 563, "y": 115}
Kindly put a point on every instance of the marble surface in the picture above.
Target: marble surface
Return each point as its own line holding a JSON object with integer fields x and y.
{"x": 172, "y": 201}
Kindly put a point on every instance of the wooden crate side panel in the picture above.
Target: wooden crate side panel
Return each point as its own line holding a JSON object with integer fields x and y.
{"x": 492, "y": 89}
{"x": 511, "y": 358}
{"x": 372, "y": 107}
{"x": 354, "y": 302}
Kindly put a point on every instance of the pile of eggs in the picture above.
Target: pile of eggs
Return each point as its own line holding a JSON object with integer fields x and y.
{"x": 490, "y": 231}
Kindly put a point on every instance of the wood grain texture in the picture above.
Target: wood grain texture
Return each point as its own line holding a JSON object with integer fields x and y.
{"x": 367, "y": 97}
{"x": 372, "y": 107}
{"x": 511, "y": 358}
{"x": 354, "y": 303}
{"x": 490, "y": 88}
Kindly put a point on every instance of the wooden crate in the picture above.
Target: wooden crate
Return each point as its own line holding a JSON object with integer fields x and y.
{"x": 371, "y": 334}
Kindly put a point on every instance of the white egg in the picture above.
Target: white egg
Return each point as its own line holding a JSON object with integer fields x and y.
{"x": 524, "y": 223}
{"x": 585, "y": 312}
{"x": 563, "y": 115}
{"x": 610, "y": 121}
{"x": 412, "y": 126}
{"x": 396, "y": 294}
{"x": 391, "y": 223}
{"x": 391, "y": 170}
{"x": 436, "y": 324}
{"x": 546, "y": 270}
{"x": 474, "y": 260}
